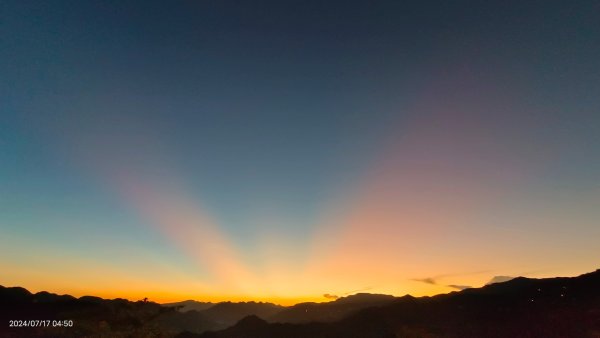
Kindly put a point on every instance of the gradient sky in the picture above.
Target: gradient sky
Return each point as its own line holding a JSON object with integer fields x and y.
{"x": 281, "y": 150}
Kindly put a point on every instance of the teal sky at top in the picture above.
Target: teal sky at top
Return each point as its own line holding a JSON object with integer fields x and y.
{"x": 260, "y": 108}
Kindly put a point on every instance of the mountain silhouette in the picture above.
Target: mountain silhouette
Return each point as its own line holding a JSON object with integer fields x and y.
{"x": 94, "y": 316}
{"x": 521, "y": 307}
{"x": 331, "y": 311}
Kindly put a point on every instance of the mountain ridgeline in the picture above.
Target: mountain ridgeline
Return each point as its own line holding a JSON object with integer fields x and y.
{"x": 522, "y": 307}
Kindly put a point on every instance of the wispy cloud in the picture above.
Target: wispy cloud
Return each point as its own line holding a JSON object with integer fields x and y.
{"x": 435, "y": 280}
{"x": 428, "y": 280}
{"x": 499, "y": 279}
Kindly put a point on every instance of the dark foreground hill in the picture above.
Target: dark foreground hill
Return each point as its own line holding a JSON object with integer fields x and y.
{"x": 522, "y": 307}
{"x": 91, "y": 316}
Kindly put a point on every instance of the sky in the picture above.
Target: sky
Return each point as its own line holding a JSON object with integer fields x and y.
{"x": 284, "y": 150}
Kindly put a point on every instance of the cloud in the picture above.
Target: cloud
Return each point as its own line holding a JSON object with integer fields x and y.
{"x": 499, "y": 279}
{"x": 330, "y": 296}
{"x": 428, "y": 280}
{"x": 434, "y": 281}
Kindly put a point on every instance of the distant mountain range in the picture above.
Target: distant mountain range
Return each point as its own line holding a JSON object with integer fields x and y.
{"x": 330, "y": 311}
{"x": 521, "y": 307}
{"x": 188, "y": 305}
{"x": 227, "y": 313}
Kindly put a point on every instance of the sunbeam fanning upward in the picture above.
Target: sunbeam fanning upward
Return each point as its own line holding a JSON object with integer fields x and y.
{"x": 419, "y": 199}
{"x": 195, "y": 233}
